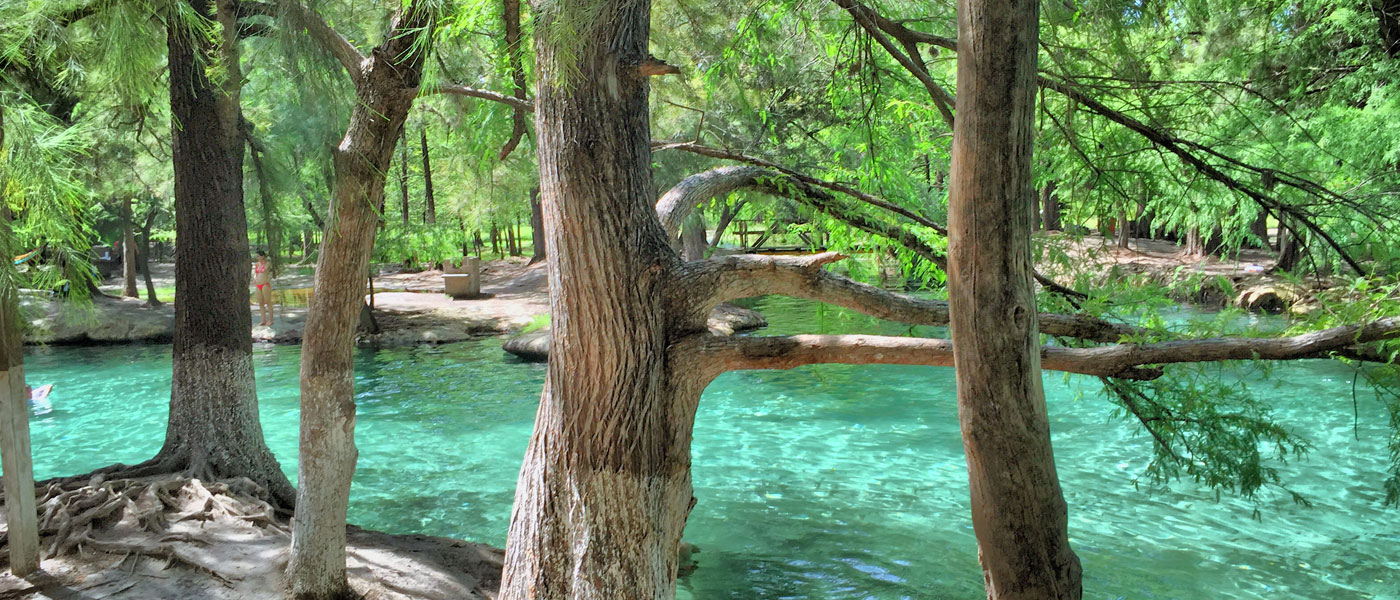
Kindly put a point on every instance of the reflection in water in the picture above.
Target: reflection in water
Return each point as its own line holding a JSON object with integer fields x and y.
{"x": 827, "y": 482}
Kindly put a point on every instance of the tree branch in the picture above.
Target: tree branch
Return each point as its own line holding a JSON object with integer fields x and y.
{"x": 913, "y": 63}
{"x": 703, "y": 284}
{"x": 524, "y": 104}
{"x": 327, "y": 38}
{"x": 716, "y": 354}
{"x": 719, "y": 153}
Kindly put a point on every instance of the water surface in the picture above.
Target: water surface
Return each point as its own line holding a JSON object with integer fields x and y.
{"x": 826, "y": 482}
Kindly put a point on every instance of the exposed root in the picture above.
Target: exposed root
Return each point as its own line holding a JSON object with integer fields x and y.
{"x": 73, "y": 515}
{"x": 163, "y": 551}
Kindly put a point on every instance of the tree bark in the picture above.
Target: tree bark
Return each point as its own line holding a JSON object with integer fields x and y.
{"x": 128, "y": 253}
{"x": 1018, "y": 511}
{"x": 385, "y": 85}
{"x": 213, "y": 430}
{"x": 430, "y": 208}
{"x": 605, "y": 488}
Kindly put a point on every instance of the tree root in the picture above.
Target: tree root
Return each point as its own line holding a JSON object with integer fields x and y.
{"x": 71, "y": 513}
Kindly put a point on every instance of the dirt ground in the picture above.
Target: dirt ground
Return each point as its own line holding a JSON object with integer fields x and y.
{"x": 212, "y": 542}
{"x": 410, "y": 308}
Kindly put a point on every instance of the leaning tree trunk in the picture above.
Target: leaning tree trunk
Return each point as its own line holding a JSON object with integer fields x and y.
{"x": 151, "y": 298}
{"x": 386, "y": 85}
{"x": 1018, "y": 512}
{"x": 128, "y": 253}
{"x": 605, "y": 487}
{"x": 213, "y": 429}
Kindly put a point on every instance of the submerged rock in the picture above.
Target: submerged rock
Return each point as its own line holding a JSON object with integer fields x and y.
{"x": 725, "y": 319}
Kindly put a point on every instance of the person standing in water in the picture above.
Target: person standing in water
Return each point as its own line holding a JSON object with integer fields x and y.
{"x": 263, "y": 280}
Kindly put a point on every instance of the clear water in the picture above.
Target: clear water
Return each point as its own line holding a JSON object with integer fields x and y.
{"x": 827, "y": 482}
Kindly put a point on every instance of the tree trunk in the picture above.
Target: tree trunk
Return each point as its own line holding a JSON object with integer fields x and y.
{"x": 495, "y": 239}
{"x": 537, "y": 226}
{"x": 1050, "y": 208}
{"x": 403, "y": 176}
{"x": 430, "y": 209}
{"x": 726, "y": 216}
{"x": 510, "y": 13}
{"x": 213, "y": 430}
{"x": 1260, "y": 229}
{"x": 386, "y": 85}
{"x": 510, "y": 240}
{"x": 145, "y": 249}
{"x": 21, "y": 516}
{"x": 1018, "y": 512}
{"x": 128, "y": 253}
{"x": 1124, "y": 230}
{"x": 693, "y": 237}
{"x": 1290, "y": 248}
{"x": 605, "y": 488}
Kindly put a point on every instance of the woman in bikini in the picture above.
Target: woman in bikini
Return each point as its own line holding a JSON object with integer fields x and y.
{"x": 263, "y": 280}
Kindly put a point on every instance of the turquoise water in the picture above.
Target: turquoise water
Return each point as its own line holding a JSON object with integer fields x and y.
{"x": 827, "y": 482}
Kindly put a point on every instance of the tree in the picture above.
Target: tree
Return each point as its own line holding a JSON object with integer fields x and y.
{"x": 605, "y": 488}
{"x": 386, "y": 82}
{"x": 213, "y": 430}
{"x": 1018, "y": 511}
{"x": 130, "y": 254}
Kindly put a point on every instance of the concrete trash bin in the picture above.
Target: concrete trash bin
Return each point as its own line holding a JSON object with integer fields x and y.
{"x": 464, "y": 282}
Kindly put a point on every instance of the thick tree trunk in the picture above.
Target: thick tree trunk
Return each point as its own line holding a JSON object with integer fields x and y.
{"x": 1050, "y": 208}
{"x": 537, "y": 227}
{"x": 605, "y": 488}
{"x": 386, "y": 85}
{"x": 495, "y": 239}
{"x": 430, "y": 208}
{"x": 128, "y": 253}
{"x": 1018, "y": 511}
{"x": 145, "y": 248}
{"x": 213, "y": 430}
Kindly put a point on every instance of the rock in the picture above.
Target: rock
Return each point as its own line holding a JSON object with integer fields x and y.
{"x": 725, "y": 319}
{"x": 1270, "y": 297}
{"x": 532, "y": 346}
{"x": 107, "y": 320}
{"x": 728, "y": 319}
